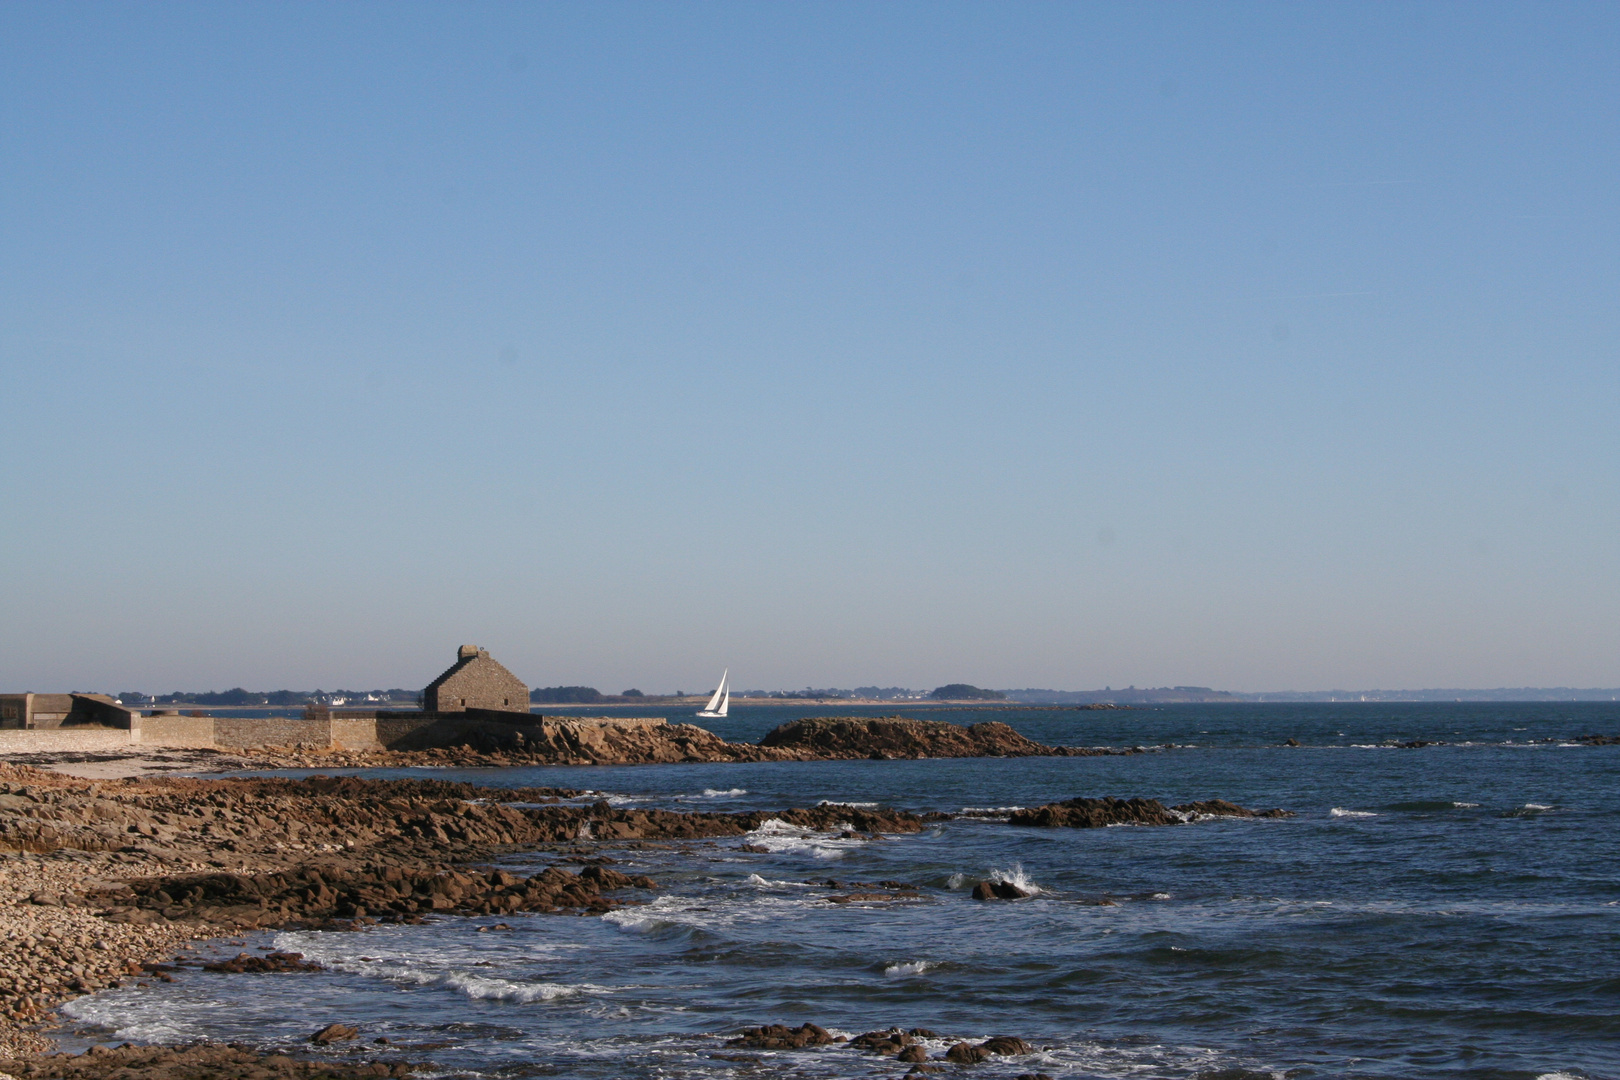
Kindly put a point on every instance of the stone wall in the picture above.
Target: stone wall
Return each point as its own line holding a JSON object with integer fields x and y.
{"x": 355, "y": 733}
{"x": 245, "y": 733}
{"x": 181, "y": 731}
{"x": 55, "y": 740}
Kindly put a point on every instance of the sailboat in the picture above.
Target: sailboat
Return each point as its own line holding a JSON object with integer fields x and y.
{"x": 721, "y": 701}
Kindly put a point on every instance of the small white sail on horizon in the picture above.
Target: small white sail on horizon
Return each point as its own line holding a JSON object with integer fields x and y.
{"x": 721, "y": 701}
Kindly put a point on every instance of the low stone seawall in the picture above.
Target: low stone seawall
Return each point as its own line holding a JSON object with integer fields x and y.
{"x": 55, "y": 740}
{"x": 382, "y": 731}
{"x": 246, "y": 733}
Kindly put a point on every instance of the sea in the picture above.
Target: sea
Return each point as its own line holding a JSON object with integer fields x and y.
{"x": 1447, "y": 911}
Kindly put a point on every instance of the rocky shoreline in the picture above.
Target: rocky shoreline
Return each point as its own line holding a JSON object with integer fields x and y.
{"x": 103, "y": 881}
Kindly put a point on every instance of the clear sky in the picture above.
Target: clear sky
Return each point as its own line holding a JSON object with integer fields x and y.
{"x": 1241, "y": 345}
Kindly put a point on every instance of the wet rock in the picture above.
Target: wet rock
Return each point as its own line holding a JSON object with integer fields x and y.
{"x": 1290, "y": 742}
{"x": 1032, "y": 1076}
{"x": 332, "y": 1033}
{"x": 888, "y": 1043}
{"x": 276, "y": 961}
{"x": 1007, "y": 1046}
{"x": 781, "y": 1037}
{"x": 998, "y": 890}
{"x": 1598, "y": 740}
{"x": 912, "y": 1053}
{"x": 967, "y": 1054}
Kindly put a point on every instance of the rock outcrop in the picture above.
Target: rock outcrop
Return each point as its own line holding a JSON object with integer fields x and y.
{"x": 205, "y": 1061}
{"x": 781, "y": 1037}
{"x": 554, "y": 740}
{"x": 1084, "y": 813}
{"x": 898, "y": 737}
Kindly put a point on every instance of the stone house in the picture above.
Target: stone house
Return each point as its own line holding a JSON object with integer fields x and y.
{"x": 476, "y": 682}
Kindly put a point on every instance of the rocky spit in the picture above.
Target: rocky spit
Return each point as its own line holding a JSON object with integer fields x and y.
{"x": 553, "y": 740}
{"x": 103, "y": 881}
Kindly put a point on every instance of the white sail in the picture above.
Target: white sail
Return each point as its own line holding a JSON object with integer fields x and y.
{"x": 721, "y": 701}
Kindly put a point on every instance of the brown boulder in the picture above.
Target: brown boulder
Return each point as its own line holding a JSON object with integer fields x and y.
{"x": 967, "y": 1054}
{"x": 332, "y": 1033}
{"x": 1007, "y": 1046}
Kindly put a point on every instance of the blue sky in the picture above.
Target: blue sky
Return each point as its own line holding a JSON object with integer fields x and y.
{"x": 1244, "y": 345}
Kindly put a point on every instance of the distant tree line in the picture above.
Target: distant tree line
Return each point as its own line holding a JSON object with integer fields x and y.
{"x": 564, "y": 695}
{"x": 961, "y": 691}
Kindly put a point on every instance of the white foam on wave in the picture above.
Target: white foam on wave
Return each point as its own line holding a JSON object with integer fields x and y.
{"x": 989, "y": 809}
{"x": 1339, "y": 811}
{"x": 678, "y": 912}
{"x": 1536, "y": 806}
{"x": 777, "y": 836}
{"x": 766, "y": 883}
{"x": 1015, "y": 877}
{"x": 427, "y": 968}
{"x": 113, "y": 1010}
{"x": 851, "y": 805}
{"x": 1559, "y": 1076}
{"x": 484, "y": 988}
{"x": 908, "y": 969}
{"x": 1464, "y": 805}
{"x": 728, "y": 793}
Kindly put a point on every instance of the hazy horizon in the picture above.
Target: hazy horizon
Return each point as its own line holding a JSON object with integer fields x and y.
{"x": 1028, "y": 346}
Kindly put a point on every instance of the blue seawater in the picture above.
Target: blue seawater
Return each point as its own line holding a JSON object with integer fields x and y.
{"x": 1450, "y": 911}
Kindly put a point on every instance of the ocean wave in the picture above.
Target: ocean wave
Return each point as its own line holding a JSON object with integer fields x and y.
{"x": 1339, "y": 811}
{"x": 728, "y": 793}
{"x": 484, "y": 988}
{"x": 777, "y": 836}
{"x": 908, "y": 968}
{"x": 428, "y": 970}
{"x": 111, "y": 1010}
{"x": 1465, "y": 805}
{"x": 1015, "y": 877}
